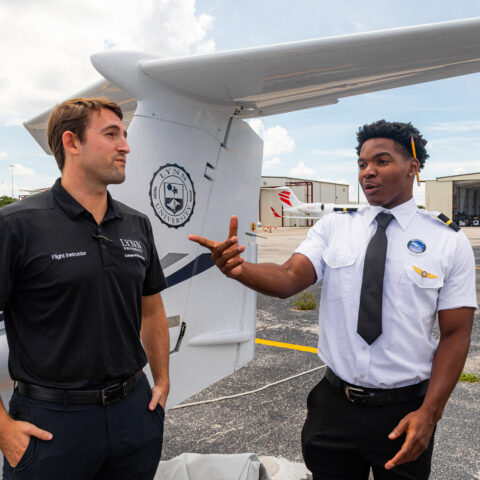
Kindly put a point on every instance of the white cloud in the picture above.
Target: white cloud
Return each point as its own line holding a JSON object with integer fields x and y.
{"x": 24, "y": 184}
{"x": 447, "y": 168}
{"x": 47, "y": 59}
{"x": 257, "y": 125}
{"x": 302, "y": 171}
{"x": 276, "y": 140}
{"x": 5, "y": 190}
{"x": 3, "y": 155}
{"x": 269, "y": 164}
{"x": 24, "y": 178}
{"x": 456, "y": 127}
{"x": 205, "y": 47}
{"x": 21, "y": 171}
{"x": 338, "y": 152}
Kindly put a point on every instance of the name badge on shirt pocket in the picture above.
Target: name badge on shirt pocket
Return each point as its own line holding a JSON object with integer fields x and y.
{"x": 338, "y": 276}
{"x": 424, "y": 276}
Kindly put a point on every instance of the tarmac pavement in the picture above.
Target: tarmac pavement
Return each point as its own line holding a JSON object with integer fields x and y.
{"x": 269, "y": 422}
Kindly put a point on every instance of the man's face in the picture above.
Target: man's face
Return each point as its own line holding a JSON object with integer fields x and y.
{"x": 105, "y": 148}
{"x": 385, "y": 173}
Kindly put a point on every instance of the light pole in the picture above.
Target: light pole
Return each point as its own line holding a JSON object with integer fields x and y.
{"x": 12, "y": 166}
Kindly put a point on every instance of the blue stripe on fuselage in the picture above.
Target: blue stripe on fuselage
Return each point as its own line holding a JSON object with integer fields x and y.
{"x": 200, "y": 264}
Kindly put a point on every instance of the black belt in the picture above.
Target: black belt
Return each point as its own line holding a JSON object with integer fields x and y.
{"x": 375, "y": 396}
{"x": 106, "y": 396}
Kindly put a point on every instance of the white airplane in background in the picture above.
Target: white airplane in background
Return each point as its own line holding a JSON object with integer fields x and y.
{"x": 294, "y": 208}
{"x": 186, "y": 129}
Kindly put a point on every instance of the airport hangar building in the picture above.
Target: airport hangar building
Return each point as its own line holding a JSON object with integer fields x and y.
{"x": 457, "y": 196}
{"x": 308, "y": 191}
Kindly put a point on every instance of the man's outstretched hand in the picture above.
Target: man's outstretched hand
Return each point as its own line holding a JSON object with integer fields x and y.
{"x": 226, "y": 255}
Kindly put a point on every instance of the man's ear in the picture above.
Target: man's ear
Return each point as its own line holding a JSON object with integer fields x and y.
{"x": 414, "y": 166}
{"x": 70, "y": 142}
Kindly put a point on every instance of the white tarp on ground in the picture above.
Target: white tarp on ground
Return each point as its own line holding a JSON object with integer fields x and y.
{"x": 194, "y": 466}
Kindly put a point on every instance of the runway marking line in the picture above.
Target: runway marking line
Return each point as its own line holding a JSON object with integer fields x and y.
{"x": 290, "y": 346}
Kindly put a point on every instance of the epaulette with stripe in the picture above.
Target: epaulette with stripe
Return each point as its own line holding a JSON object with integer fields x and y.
{"x": 448, "y": 222}
{"x": 440, "y": 217}
{"x": 345, "y": 210}
{"x": 445, "y": 220}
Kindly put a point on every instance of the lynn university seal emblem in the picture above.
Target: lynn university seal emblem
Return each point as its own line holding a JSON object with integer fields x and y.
{"x": 172, "y": 195}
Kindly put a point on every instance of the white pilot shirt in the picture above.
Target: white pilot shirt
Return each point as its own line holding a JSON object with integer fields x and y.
{"x": 417, "y": 284}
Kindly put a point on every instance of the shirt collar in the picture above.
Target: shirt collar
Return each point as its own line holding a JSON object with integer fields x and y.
{"x": 403, "y": 213}
{"x": 74, "y": 209}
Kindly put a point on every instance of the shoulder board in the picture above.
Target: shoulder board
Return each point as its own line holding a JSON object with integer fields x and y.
{"x": 447, "y": 221}
{"x": 345, "y": 210}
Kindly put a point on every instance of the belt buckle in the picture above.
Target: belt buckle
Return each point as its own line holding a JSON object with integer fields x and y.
{"x": 114, "y": 393}
{"x": 348, "y": 389}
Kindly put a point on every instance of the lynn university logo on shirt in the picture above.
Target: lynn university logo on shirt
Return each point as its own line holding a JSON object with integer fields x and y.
{"x": 172, "y": 195}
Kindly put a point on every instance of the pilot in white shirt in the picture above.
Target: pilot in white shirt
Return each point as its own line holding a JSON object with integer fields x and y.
{"x": 429, "y": 267}
{"x": 387, "y": 381}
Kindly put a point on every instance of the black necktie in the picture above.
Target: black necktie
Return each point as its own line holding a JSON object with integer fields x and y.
{"x": 370, "y": 311}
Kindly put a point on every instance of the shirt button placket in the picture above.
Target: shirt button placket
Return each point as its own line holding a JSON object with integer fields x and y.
{"x": 363, "y": 362}
{"x": 104, "y": 249}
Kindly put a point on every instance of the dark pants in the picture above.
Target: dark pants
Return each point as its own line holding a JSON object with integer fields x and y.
{"x": 120, "y": 441}
{"x": 342, "y": 440}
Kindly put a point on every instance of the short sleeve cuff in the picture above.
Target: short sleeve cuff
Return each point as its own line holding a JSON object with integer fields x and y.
{"x": 447, "y": 306}
{"x": 152, "y": 290}
{"x": 315, "y": 259}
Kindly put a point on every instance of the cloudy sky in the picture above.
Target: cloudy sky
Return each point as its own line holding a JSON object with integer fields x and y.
{"x": 45, "y": 48}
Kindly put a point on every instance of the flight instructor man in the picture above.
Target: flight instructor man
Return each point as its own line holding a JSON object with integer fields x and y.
{"x": 79, "y": 285}
{"x": 387, "y": 271}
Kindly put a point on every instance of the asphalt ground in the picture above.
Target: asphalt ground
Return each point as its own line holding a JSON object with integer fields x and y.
{"x": 269, "y": 422}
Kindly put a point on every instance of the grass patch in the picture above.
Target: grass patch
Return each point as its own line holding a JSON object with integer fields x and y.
{"x": 469, "y": 377}
{"x": 305, "y": 301}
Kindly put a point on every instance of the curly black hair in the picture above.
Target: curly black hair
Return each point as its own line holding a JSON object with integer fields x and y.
{"x": 400, "y": 133}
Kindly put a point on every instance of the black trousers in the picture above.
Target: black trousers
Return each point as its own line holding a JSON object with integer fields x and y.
{"x": 91, "y": 442}
{"x": 342, "y": 440}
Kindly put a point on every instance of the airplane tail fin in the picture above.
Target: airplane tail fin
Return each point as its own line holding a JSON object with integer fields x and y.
{"x": 288, "y": 197}
{"x": 275, "y": 213}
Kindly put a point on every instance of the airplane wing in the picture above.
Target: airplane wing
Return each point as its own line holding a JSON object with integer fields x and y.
{"x": 282, "y": 78}
{"x": 276, "y": 79}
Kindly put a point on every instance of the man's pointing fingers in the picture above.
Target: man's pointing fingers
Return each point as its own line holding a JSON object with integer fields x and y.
{"x": 225, "y": 246}
{"x": 226, "y": 254}
{"x": 233, "y": 229}
{"x": 204, "y": 242}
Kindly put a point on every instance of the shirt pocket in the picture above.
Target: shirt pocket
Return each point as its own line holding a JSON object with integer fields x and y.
{"x": 339, "y": 271}
{"x": 424, "y": 276}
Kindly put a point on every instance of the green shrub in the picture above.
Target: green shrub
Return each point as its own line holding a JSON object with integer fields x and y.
{"x": 469, "y": 377}
{"x": 4, "y": 200}
{"x": 305, "y": 301}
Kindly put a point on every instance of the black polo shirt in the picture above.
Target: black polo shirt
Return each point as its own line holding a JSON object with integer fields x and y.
{"x": 71, "y": 290}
